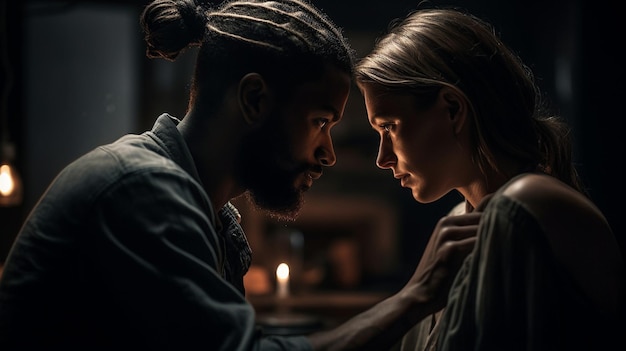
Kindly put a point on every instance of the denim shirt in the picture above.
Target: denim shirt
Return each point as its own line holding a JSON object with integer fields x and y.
{"x": 124, "y": 250}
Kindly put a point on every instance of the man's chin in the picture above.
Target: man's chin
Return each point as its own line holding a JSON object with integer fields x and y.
{"x": 287, "y": 211}
{"x": 282, "y": 215}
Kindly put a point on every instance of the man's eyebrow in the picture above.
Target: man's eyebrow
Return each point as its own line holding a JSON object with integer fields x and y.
{"x": 332, "y": 110}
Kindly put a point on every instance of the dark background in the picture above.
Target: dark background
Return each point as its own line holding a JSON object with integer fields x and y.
{"x": 60, "y": 57}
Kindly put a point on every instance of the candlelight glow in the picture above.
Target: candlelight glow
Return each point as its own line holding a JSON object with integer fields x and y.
{"x": 282, "y": 280}
{"x": 282, "y": 272}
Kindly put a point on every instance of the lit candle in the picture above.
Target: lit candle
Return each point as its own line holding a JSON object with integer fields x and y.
{"x": 282, "y": 280}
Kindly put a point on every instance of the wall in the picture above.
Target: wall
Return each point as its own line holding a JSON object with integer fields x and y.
{"x": 79, "y": 83}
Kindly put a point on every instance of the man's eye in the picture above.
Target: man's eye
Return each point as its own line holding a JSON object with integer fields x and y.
{"x": 321, "y": 122}
{"x": 386, "y": 127}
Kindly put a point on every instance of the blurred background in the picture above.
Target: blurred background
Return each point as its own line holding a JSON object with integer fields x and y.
{"x": 75, "y": 75}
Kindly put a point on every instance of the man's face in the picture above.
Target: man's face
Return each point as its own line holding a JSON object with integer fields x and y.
{"x": 282, "y": 157}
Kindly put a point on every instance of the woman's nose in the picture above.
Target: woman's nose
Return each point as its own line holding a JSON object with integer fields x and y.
{"x": 386, "y": 158}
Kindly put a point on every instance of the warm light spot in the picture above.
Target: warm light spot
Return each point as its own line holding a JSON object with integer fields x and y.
{"x": 282, "y": 280}
{"x": 7, "y": 185}
{"x": 282, "y": 272}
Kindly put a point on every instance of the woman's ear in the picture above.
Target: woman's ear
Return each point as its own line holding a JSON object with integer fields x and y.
{"x": 457, "y": 107}
{"x": 253, "y": 98}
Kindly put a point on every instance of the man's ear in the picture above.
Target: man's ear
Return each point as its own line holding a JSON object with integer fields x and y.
{"x": 457, "y": 107}
{"x": 253, "y": 97}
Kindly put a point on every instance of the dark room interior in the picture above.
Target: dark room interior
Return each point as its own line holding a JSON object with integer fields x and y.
{"x": 77, "y": 76}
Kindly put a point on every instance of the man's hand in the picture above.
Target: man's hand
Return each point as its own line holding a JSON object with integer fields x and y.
{"x": 450, "y": 243}
{"x": 381, "y": 326}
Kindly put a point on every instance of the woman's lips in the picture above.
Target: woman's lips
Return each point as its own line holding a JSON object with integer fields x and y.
{"x": 403, "y": 178}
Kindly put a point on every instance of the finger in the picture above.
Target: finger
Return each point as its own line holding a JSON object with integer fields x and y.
{"x": 455, "y": 252}
{"x": 465, "y": 246}
{"x": 461, "y": 220}
{"x": 455, "y": 233}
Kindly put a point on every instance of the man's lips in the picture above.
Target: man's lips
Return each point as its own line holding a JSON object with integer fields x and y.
{"x": 310, "y": 176}
{"x": 314, "y": 175}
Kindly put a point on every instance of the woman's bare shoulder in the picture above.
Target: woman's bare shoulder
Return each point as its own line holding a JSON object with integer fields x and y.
{"x": 555, "y": 204}
{"x": 579, "y": 234}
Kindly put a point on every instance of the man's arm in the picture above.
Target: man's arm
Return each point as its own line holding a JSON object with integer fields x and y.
{"x": 426, "y": 292}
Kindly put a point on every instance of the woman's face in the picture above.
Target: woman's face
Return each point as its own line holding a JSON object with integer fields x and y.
{"x": 422, "y": 146}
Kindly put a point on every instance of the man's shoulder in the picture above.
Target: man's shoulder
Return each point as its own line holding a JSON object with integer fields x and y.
{"x": 129, "y": 154}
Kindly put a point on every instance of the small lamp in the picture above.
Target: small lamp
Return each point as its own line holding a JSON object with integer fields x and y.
{"x": 10, "y": 182}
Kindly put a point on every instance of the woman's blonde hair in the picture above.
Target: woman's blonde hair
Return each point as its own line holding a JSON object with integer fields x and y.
{"x": 433, "y": 48}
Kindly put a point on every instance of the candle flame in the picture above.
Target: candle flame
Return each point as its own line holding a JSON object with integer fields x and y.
{"x": 282, "y": 272}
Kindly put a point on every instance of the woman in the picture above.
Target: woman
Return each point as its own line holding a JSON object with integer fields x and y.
{"x": 457, "y": 110}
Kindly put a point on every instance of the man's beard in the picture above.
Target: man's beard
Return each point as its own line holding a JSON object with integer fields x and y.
{"x": 261, "y": 170}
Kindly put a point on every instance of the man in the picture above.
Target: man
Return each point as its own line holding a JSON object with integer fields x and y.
{"x": 136, "y": 244}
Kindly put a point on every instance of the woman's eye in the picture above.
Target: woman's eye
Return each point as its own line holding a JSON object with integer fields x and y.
{"x": 386, "y": 127}
{"x": 321, "y": 122}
